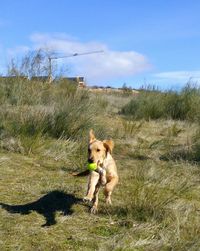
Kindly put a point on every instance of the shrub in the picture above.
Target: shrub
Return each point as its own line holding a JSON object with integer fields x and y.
{"x": 144, "y": 106}
{"x": 72, "y": 117}
{"x": 170, "y": 105}
{"x": 31, "y": 111}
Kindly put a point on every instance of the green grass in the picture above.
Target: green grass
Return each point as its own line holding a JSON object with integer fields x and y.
{"x": 44, "y": 139}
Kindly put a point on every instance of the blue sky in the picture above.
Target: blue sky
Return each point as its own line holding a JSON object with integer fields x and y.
{"x": 153, "y": 42}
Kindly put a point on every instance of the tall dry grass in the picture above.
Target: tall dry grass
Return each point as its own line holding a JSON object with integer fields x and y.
{"x": 32, "y": 111}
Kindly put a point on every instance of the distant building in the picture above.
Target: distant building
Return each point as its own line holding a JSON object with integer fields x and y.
{"x": 44, "y": 79}
{"x": 13, "y": 78}
{"x": 40, "y": 79}
{"x": 79, "y": 80}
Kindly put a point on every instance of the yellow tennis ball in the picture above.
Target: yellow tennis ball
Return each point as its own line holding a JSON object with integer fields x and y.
{"x": 92, "y": 166}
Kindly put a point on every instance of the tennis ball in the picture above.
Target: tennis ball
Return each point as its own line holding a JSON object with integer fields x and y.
{"x": 92, "y": 166}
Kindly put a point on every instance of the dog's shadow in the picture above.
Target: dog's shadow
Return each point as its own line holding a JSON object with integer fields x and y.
{"x": 47, "y": 206}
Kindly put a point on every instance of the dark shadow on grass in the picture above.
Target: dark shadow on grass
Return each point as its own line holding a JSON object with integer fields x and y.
{"x": 47, "y": 206}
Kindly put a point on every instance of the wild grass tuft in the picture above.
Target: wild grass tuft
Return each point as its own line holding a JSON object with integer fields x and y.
{"x": 30, "y": 112}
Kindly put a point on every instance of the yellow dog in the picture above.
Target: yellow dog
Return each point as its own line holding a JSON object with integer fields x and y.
{"x": 99, "y": 152}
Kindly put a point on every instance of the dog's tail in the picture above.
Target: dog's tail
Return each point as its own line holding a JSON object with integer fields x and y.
{"x": 81, "y": 174}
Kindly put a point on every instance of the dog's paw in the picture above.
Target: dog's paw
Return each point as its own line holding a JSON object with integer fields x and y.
{"x": 94, "y": 210}
{"x": 103, "y": 182}
{"x": 108, "y": 201}
{"x": 87, "y": 199}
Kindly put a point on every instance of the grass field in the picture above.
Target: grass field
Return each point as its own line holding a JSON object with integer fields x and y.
{"x": 43, "y": 132}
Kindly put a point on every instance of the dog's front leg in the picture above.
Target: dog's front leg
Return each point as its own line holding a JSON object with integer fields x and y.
{"x": 109, "y": 188}
{"x": 93, "y": 180}
{"x": 94, "y": 208}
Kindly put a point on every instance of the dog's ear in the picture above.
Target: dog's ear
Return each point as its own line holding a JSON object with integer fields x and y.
{"x": 91, "y": 136}
{"x": 109, "y": 145}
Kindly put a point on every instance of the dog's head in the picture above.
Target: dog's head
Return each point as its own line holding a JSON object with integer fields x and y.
{"x": 98, "y": 150}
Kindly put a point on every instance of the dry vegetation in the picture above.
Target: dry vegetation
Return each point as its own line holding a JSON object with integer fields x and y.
{"x": 43, "y": 133}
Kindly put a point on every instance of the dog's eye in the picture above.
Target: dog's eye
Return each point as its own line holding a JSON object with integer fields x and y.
{"x": 98, "y": 150}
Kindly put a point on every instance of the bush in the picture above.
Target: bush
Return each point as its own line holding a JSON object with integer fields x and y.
{"x": 31, "y": 111}
{"x": 168, "y": 105}
{"x": 72, "y": 117}
{"x": 144, "y": 106}
{"x": 17, "y": 91}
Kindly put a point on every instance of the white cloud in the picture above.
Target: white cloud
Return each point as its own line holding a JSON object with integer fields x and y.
{"x": 179, "y": 76}
{"x": 175, "y": 80}
{"x": 18, "y": 50}
{"x": 95, "y": 67}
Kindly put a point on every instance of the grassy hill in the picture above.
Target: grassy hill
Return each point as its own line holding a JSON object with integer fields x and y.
{"x": 43, "y": 133}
